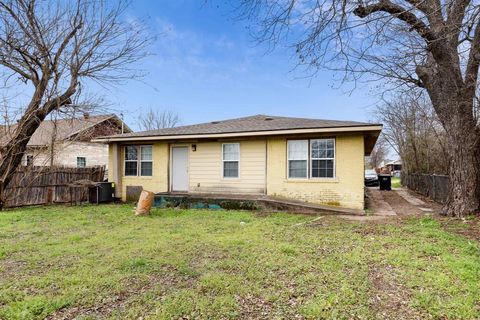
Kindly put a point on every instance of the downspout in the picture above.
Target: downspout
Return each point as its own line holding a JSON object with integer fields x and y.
{"x": 266, "y": 167}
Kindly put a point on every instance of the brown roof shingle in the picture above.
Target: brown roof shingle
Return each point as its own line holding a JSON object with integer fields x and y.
{"x": 65, "y": 129}
{"x": 254, "y": 123}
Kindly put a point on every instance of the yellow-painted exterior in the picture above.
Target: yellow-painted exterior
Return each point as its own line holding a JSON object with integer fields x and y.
{"x": 345, "y": 190}
{"x": 262, "y": 170}
{"x": 158, "y": 182}
{"x": 206, "y": 168}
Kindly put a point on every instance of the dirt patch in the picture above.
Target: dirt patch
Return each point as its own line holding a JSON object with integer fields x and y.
{"x": 425, "y": 202}
{"x": 255, "y": 307}
{"x": 14, "y": 268}
{"x": 401, "y": 206}
{"x": 400, "y": 202}
{"x": 376, "y": 202}
{"x": 252, "y": 307}
{"x": 390, "y": 300}
{"x": 469, "y": 228}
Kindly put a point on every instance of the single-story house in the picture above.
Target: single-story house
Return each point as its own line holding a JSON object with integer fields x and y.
{"x": 317, "y": 161}
{"x": 68, "y": 142}
{"x": 393, "y": 167}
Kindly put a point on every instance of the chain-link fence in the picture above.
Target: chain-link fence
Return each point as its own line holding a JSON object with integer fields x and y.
{"x": 436, "y": 187}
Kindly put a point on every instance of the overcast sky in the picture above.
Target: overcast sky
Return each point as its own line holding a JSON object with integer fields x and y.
{"x": 206, "y": 66}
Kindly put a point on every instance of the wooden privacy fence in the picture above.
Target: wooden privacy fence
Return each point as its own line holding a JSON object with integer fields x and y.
{"x": 435, "y": 187}
{"x": 46, "y": 185}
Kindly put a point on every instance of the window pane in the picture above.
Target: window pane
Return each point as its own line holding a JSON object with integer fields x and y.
{"x": 230, "y": 169}
{"x": 146, "y": 152}
{"x": 323, "y": 149}
{"x": 131, "y": 153}
{"x": 330, "y": 153}
{"x": 297, "y": 149}
{"x": 322, "y": 168}
{"x": 231, "y": 152}
{"x": 130, "y": 168}
{"x": 81, "y": 162}
{"x": 146, "y": 169}
{"x": 297, "y": 168}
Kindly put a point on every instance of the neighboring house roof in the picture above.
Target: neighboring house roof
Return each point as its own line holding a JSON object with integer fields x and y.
{"x": 394, "y": 162}
{"x": 65, "y": 129}
{"x": 253, "y": 124}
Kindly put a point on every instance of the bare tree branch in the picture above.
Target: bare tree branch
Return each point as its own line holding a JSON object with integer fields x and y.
{"x": 55, "y": 47}
{"x": 155, "y": 120}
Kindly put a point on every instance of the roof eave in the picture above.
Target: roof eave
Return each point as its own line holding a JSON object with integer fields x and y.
{"x": 374, "y": 127}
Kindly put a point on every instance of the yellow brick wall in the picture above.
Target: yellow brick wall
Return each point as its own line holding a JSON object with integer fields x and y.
{"x": 206, "y": 168}
{"x": 345, "y": 190}
{"x": 205, "y": 172}
{"x": 158, "y": 182}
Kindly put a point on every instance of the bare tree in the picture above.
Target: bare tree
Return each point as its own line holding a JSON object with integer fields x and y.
{"x": 379, "y": 153}
{"x": 429, "y": 44}
{"x": 155, "y": 120}
{"x": 54, "y": 48}
{"x": 414, "y": 131}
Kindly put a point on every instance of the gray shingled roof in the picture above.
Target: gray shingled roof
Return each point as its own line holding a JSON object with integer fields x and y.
{"x": 254, "y": 123}
{"x": 65, "y": 129}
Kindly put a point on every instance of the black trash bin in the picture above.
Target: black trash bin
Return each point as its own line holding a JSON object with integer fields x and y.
{"x": 385, "y": 181}
{"x": 102, "y": 192}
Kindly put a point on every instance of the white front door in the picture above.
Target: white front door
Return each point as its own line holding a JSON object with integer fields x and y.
{"x": 180, "y": 169}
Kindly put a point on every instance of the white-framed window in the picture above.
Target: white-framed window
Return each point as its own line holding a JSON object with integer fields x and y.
{"x": 131, "y": 160}
{"x": 81, "y": 162}
{"x": 311, "y": 159}
{"x": 297, "y": 158}
{"x": 322, "y": 158}
{"x": 231, "y": 160}
{"x": 146, "y": 164}
{"x": 138, "y": 161}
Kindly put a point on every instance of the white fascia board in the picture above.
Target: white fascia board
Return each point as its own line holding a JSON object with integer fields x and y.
{"x": 240, "y": 134}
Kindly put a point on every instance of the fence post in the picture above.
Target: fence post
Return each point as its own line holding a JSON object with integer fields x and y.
{"x": 434, "y": 186}
{"x": 1, "y": 195}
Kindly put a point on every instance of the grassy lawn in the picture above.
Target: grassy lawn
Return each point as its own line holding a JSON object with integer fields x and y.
{"x": 396, "y": 183}
{"x": 102, "y": 262}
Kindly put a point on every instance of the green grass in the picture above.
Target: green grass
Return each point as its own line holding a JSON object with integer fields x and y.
{"x": 396, "y": 182}
{"x": 102, "y": 262}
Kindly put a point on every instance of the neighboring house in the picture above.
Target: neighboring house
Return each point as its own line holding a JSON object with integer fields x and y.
{"x": 392, "y": 166}
{"x": 68, "y": 142}
{"x": 319, "y": 161}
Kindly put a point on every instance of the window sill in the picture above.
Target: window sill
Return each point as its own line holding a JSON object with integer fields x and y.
{"x": 312, "y": 180}
{"x": 137, "y": 177}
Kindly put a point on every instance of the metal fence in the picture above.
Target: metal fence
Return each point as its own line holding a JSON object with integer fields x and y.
{"x": 436, "y": 187}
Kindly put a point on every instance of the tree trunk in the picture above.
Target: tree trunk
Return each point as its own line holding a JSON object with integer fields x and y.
{"x": 453, "y": 101}
{"x": 464, "y": 151}
{"x": 15, "y": 149}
